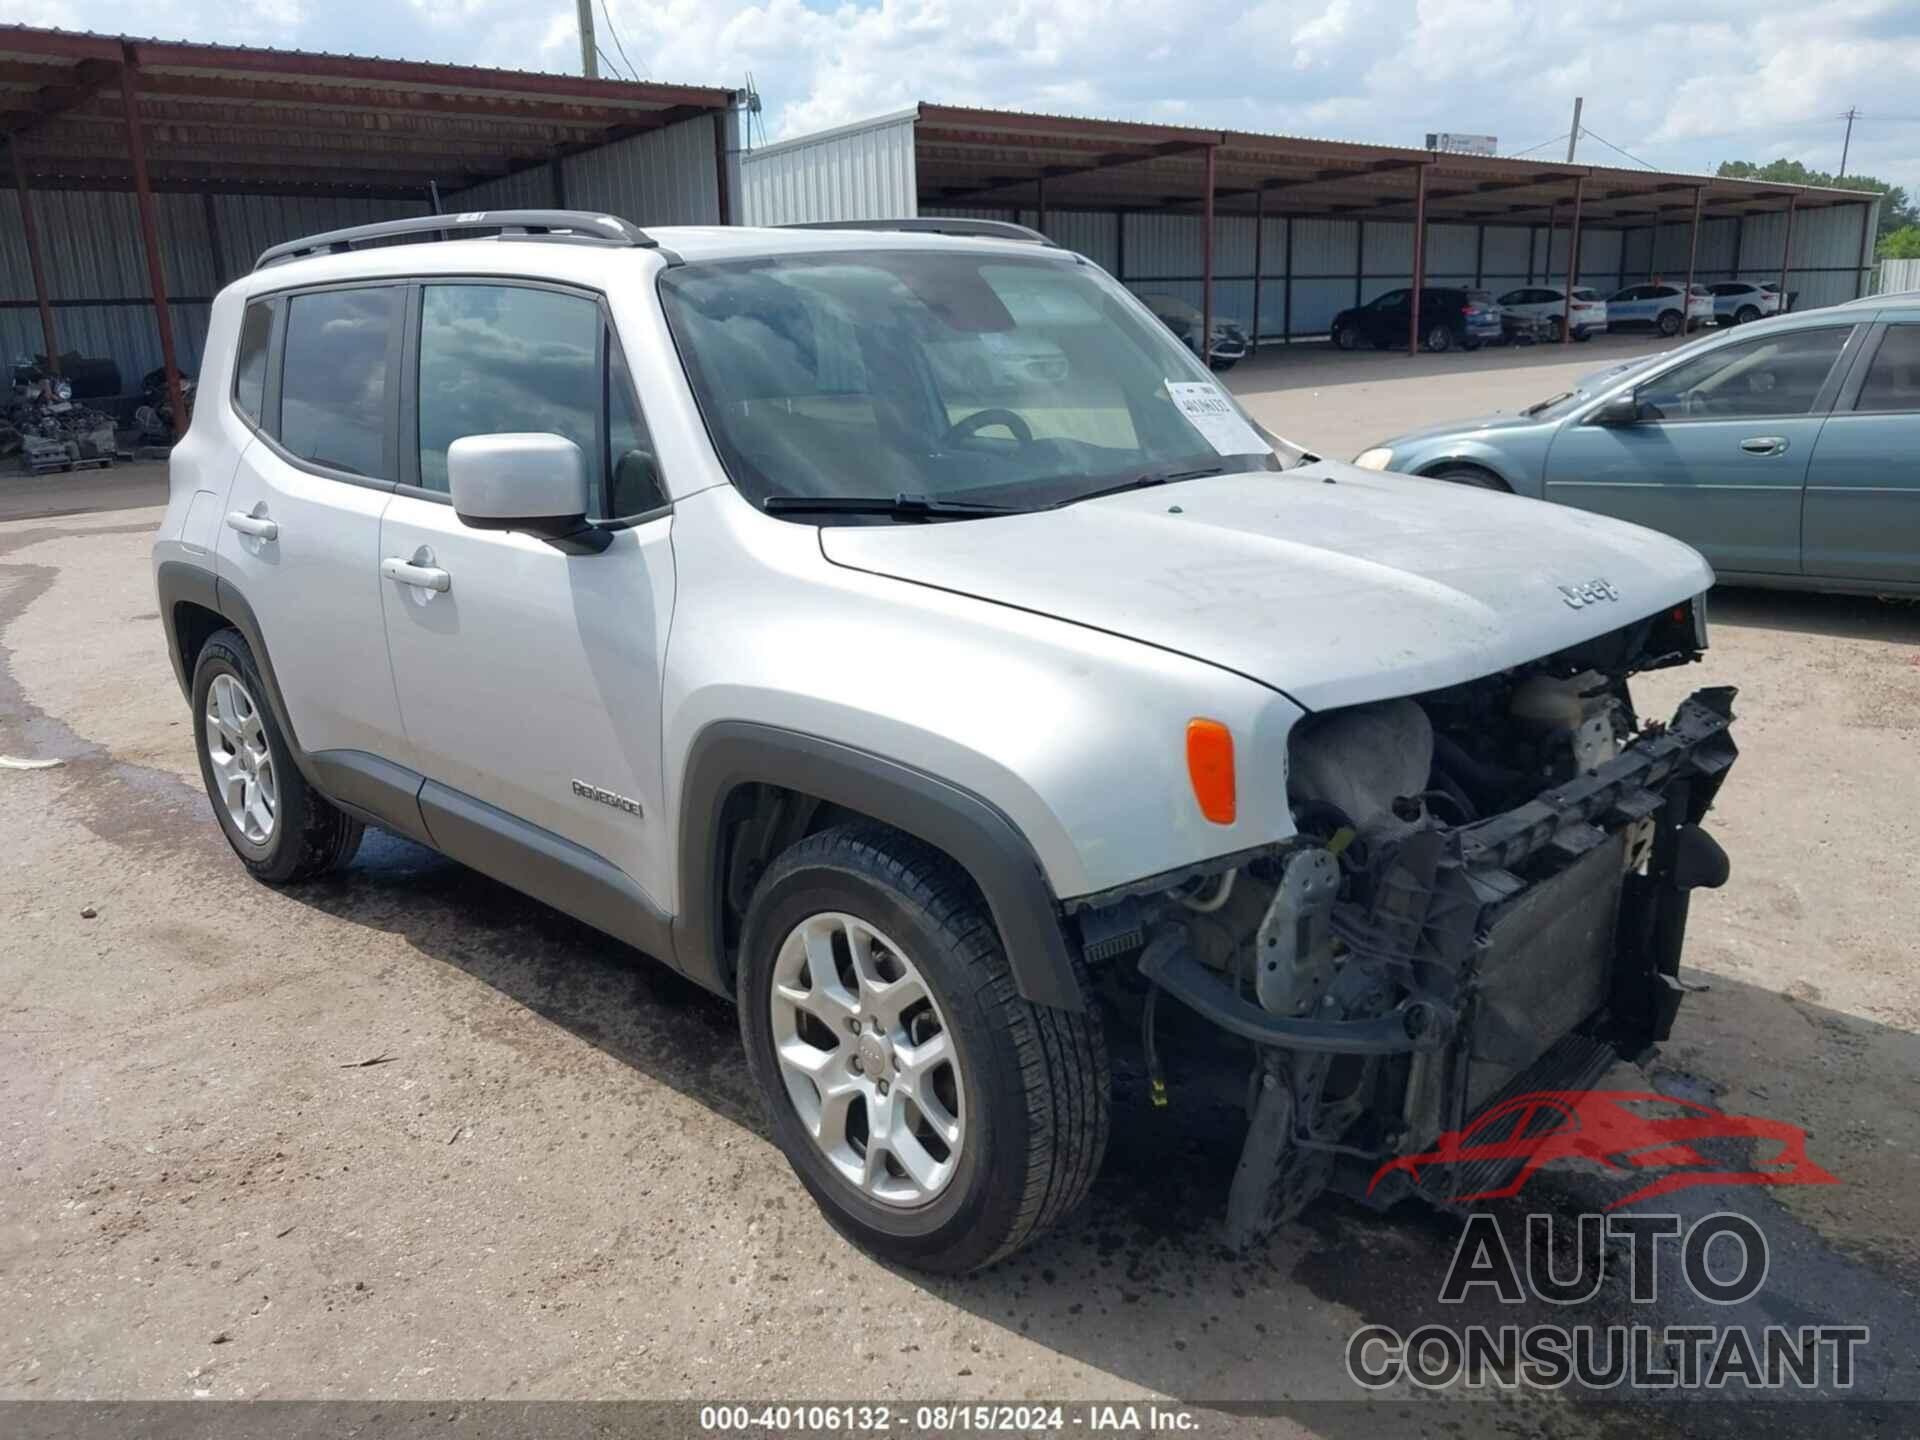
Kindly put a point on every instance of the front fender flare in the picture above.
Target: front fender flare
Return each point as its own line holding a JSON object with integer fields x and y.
{"x": 970, "y": 829}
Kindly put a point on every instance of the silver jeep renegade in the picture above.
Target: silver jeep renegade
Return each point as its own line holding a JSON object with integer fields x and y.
{"x": 895, "y": 628}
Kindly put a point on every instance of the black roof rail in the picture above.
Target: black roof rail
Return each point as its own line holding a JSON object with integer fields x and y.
{"x": 577, "y": 225}
{"x": 934, "y": 225}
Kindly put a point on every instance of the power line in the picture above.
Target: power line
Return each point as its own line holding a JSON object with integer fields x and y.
{"x": 1541, "y": 146}
{"x": 1615, "y": 148}
{"x": 606, "y": 62}
{"x": 614, "y": 32}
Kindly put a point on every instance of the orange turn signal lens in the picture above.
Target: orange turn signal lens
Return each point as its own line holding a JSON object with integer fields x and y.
{"x": 1210, "y": 768}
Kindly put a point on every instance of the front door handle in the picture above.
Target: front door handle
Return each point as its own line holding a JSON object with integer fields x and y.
{"x": 257, "y": 526}
{"x": 421, "y": 577}
{"x": 1765, "y": 445}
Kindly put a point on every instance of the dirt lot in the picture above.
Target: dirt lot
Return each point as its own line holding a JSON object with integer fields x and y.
{"x": 408, "y": 1135}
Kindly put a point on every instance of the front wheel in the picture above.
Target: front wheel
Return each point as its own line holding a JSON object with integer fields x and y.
{"x": 1220, "y": 367}
{"x": 1347, "y": 337}
{"x": 937, "y": 1118}
{"x": 1669, "y": 322}
{"x": 282, "y": 829}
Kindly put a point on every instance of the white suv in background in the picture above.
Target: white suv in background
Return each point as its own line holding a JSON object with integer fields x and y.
{"x": 1739, "y": 302}
{"x": 903, "y": 634}
{"x": 1549, "y": 303}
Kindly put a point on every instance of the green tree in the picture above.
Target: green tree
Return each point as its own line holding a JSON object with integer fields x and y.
{"x": 1896, "y": 211}
{"x": 1901, "y": 244}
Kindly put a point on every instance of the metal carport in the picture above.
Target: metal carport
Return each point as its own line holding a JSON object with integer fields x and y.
{"x": 223, "y": 150}
{"x": 1091, "y": 184}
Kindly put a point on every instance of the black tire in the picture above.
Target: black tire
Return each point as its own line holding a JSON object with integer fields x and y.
{"x": 1470, "y": 344}
{"x": 1461, "y": 474}
{"x": 1669, "y": 322}
{"x": 1220, "y": 367}
{"x": 1439, "y": 340}
{"x": 1581, "y": 334}
{"x": 310, "y": 837}
{"x": 1746, "y": 315}
{"x": 1347, "y": 337}
{"x": 1556, "y": 328}
{"x": 1034, "y": 1079}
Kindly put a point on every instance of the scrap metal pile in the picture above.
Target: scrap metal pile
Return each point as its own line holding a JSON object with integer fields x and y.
{"x": 48, "y": 428}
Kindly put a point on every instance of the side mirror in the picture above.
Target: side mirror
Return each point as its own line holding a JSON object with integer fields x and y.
{"x": 533, "y": 483}
{"x": 1621, "y": 409}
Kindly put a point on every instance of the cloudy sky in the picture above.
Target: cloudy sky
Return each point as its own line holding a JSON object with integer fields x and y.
{"x": 1679, "y": 85}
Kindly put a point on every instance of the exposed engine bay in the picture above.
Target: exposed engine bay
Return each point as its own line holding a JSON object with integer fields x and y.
{"x": 1487, "y": 893}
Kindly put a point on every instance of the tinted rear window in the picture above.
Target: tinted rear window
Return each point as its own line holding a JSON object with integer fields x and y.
{"x": 333, "y": 389}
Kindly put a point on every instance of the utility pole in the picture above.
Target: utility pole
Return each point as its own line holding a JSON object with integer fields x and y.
{"x": 1847, "y": 144}
{"x": 1573, "y": 135}
{"x": 589, "y": 52}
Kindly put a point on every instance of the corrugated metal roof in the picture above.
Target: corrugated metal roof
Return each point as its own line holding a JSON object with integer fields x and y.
{"x": 240, "y": 118}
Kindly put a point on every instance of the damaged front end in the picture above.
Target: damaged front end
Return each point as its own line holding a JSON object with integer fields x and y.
{"x": 1487, "y": 893}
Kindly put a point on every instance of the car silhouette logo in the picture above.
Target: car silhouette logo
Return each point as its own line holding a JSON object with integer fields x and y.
{"x": 1626, "y": 1131}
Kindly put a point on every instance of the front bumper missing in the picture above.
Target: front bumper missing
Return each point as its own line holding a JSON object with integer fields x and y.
{"x": 1563, "y": 917}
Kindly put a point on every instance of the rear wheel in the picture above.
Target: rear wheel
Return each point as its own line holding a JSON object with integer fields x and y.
{"x": 1746, "y": 315}
{"x": 1221, "y": 367}
{"x": 1669, "y": 322}
{"x": 1581, "y": 334}
{"x": 1439, "y": 339}
{"x": 938, "y": 1119}
{"x": 281, "y": 828}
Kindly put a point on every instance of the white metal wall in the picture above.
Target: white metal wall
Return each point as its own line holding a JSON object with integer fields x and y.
{"x": 1827, "y": 245}
{"x": 858, "y": 172}
{"x": 667, "y": 176}
{"x": 1898, "y": 275}
{"x": 97, "y": 265}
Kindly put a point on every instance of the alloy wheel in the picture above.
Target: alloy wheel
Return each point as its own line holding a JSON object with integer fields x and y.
{"x": 242, "y": 761}
{"x": 868, "y": 1061}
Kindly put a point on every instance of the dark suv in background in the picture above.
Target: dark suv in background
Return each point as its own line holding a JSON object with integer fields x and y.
{"x": 1448, "y": 317}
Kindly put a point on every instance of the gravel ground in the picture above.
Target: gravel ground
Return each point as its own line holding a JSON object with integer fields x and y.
{"x": 407, "y": 1135}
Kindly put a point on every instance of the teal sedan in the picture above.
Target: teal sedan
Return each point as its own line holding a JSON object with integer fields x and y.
{"x": 1786, "y": 452}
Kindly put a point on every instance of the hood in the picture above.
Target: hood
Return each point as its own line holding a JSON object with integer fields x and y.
{"x": 1462, "y": 429}
{"x": 1333, "y": 585}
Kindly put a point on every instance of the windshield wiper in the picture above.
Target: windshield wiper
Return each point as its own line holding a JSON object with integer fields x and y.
{"x": 1141, "y": 482}
{"x": 903, "y": 504}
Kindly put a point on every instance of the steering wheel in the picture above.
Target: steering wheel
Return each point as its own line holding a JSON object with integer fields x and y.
{"x": 969, "y": 426}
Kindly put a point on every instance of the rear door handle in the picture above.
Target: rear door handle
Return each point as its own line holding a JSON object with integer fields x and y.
{"x": 1765, "y": 445}
{"x": 257, "y": 526}
{"x": 421, "y": 577}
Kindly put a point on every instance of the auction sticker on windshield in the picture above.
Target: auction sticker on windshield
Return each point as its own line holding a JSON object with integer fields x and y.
{"x": 1213, "y": 415}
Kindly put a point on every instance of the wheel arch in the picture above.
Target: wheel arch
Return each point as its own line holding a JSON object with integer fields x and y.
{"x": 196, "y": 605}
{"x": 1430, "y": 469}
{"x": 733, "y": 767}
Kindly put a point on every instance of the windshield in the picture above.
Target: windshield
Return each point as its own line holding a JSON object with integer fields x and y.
{"x": 944, "y": 376}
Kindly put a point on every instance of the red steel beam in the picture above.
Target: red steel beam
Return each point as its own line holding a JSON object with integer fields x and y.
{"x": 1259, "y": 225}
{"x": 1693, "y": 243}
{"x": 1419, "y": 258}
{"x": 1206, "y": 266}
{"x": 150, "y": 233}
{"x": 1573, "y": 266}
{"x": 34, "y": 262}
{"x": 1786, "y": 252}
{"x": 152, "y": 55}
